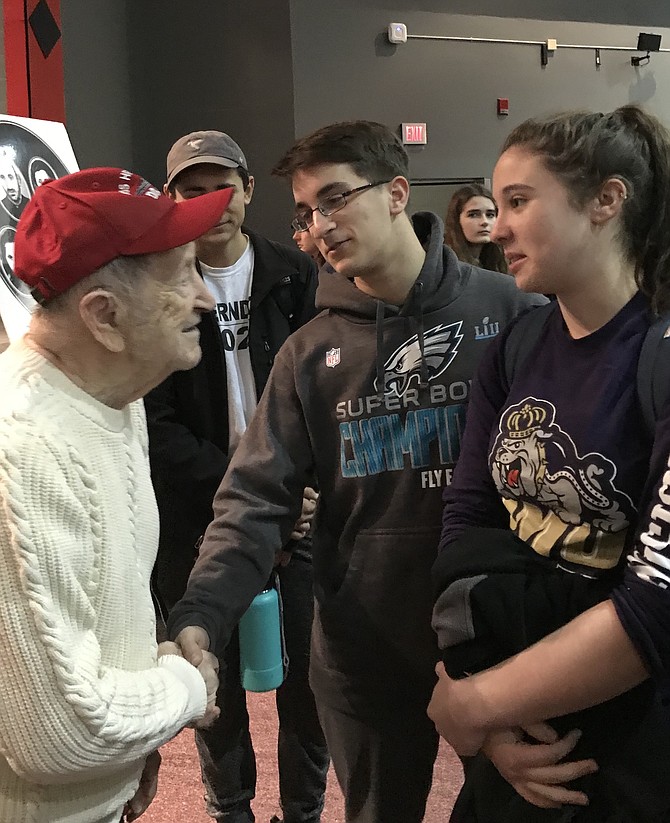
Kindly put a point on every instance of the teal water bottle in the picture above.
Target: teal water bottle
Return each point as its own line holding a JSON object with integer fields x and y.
{"x": 261, "y": 656}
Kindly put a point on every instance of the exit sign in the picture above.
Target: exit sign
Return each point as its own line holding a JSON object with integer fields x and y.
{"x": 413, "y": 133}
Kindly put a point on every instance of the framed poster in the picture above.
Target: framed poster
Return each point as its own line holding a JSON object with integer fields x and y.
{"x": 31, "y": 151}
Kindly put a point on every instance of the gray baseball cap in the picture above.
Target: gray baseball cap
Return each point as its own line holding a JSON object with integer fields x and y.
{"x": 204, "y": 147}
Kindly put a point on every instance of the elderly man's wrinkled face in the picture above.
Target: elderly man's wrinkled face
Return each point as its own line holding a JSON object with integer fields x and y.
{"x": 162, "y": 332}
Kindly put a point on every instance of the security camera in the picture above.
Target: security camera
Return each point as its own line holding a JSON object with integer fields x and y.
{"x": 397, "y": 33}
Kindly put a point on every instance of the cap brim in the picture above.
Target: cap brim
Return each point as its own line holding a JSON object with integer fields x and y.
{"x": 186, "y": 221}
{"x": 202, "y": 160}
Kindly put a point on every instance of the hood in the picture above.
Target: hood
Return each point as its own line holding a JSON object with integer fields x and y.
{"x": 438, "y": 282}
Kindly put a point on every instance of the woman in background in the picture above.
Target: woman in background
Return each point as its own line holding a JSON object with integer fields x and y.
{"x": 468, "y": 224}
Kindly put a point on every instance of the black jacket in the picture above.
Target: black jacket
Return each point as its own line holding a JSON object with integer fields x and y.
{"x": 497, "y": 597}
{"x": 187, "y": 414}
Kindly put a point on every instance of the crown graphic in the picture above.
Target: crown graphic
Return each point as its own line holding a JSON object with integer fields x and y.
{"x": 519, "y": 423}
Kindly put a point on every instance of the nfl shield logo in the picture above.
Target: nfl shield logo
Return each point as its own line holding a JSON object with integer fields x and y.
{"x": 332, "y": 358}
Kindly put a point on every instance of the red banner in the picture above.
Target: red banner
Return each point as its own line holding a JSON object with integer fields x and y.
{"x": 34, "y": 59}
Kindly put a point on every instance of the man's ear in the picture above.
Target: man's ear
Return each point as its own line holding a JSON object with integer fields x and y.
{"x": 399, "y": 191}
{"x": 249, "y": 191}
{"x": 102, "y": 313}
{"x": 609, "y": 201}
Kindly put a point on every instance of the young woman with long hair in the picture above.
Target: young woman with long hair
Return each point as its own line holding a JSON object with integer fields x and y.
{"x": 556, "y": 543}
{"x": 470, "y": 219}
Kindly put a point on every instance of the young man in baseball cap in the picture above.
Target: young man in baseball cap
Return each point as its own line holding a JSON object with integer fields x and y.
{"x": 86, "y": 697}
{"x": 263, "y": 291}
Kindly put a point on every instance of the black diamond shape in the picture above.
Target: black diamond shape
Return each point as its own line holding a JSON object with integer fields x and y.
{"x": 45, "y": 28}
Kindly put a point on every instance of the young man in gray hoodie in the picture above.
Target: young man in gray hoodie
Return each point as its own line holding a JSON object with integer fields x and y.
{"x": 370, "y": 398}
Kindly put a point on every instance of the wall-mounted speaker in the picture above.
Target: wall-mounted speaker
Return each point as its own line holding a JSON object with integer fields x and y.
{"x": 648, "y": 42}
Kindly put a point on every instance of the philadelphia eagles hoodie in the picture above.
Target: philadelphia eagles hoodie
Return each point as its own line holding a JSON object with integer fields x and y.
{"x": 367, "y": 400}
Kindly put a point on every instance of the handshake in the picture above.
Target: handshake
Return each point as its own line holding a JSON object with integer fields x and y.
{"x": 192, "y": 644}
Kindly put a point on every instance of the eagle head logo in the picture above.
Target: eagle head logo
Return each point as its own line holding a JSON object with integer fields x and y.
{"x": 440, "y": 346}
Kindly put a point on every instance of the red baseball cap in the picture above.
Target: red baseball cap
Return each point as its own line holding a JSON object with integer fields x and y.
{"x": 74, "y": 225}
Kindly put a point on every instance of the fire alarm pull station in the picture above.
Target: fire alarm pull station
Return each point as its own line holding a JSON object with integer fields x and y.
{"x": 503, "y": 106}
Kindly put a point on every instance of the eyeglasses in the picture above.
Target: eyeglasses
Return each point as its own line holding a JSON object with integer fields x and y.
{"x": 329, "y": 205}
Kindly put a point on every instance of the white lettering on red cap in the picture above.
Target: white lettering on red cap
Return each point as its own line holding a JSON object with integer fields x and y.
{"x": 143, "y": 187}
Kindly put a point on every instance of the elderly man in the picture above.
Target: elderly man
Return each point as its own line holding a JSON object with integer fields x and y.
{"x": 85, "y": 702}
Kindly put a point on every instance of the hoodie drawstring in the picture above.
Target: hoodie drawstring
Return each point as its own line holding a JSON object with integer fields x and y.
{"x": 381, "y": 373}
{"x": 418, "y": 317}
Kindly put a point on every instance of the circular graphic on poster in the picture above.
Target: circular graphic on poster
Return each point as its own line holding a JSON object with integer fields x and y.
{"x": 17, "y": 287}
{"x": 25, "y": 161}
{"x": 39, "y": 171}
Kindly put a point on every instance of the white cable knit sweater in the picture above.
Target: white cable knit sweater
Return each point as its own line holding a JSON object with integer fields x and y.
{"x": 82, "y": 699}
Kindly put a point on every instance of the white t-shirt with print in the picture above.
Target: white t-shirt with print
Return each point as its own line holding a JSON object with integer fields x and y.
{"x": 231, "y": 287}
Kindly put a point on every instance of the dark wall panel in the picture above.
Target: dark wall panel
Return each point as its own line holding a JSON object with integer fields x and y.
{"x": 627, "y": 12}
{"x": 97, "y": 81}
{"x": 138, "y": 73}
{"x": 453, "y": 86}
{"x": 216, "y": 65}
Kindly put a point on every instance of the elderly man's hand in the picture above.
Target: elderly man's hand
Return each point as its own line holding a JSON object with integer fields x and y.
{"x": 146, "y": 791}
{"x": 304, "y": 523}
{"x": 534, "y": 769}
{"x": 168, "y": 647}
